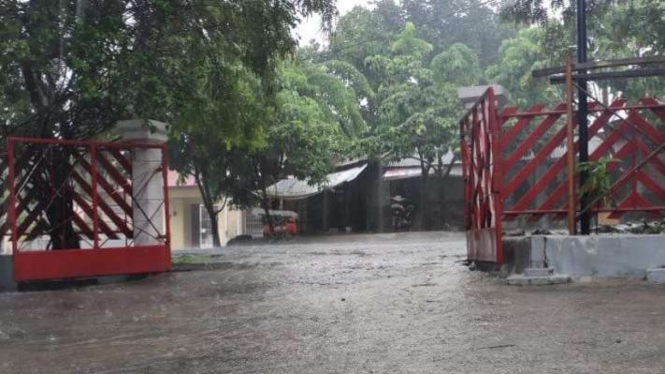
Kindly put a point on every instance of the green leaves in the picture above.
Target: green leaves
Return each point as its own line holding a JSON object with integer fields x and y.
{"x": 599, "y": 180}
{"x": 408, "y": 43}
{"x": 518, "y": 57}
{"x": 457, "y": 65}
{"x": 418, "y": 107}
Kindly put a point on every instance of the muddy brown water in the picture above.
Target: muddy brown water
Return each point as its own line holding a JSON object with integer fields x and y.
{"x": 401, "y": 303}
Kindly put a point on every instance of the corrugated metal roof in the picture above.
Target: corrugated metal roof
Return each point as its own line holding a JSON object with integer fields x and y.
{"x": 415, "y": 162}
{"x": 414, "y": 172}
{"x": 295, "y": 189}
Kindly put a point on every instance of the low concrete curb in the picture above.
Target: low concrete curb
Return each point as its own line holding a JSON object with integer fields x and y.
{"x": 6, "y": 273}
{"x": 524, "y": 280}
{"x": 656, "y": 276}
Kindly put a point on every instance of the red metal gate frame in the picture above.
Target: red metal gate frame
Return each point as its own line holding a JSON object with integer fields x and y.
{"x": 77, "y": 263}
{"x": 479, "y": 130}
{"x": 487, "y": 161}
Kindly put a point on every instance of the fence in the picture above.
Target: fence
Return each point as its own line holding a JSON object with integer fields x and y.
{"x": 523, "y": 159}
{"x": 83, "y": 208}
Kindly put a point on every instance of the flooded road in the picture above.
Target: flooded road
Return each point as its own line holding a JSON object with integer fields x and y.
{"x": 400, "y": 303}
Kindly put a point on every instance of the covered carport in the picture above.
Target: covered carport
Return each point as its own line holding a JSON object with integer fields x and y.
{"x": 334, "y": 205}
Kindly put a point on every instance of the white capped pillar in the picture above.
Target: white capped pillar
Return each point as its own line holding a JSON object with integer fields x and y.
{"x": 148, "y": 207}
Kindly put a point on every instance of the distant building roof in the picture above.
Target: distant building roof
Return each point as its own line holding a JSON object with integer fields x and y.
{"x": 173, "y": 177}
{"x": 413, "y": 162}
{"x": 295, "y": 189}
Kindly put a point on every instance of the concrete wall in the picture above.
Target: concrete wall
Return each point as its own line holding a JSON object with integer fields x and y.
{"x": 180, "y": 201}
{"x": 177, "y": 207}
{"x": 603, "y": 256}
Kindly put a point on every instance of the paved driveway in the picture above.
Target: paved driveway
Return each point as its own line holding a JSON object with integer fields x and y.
{"x": 351, "y": 304}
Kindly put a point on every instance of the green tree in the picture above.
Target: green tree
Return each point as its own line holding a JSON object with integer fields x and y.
{"x": 616, "y": 29}
{"x": 518, "y": 57}
{"x": 214, "y": 129}
{"x": 447, "y": 22}
{"x": 316, "y": 116}
{"x": 417, "y": 102}
{"x": 418, "y": 106}
{"x": 246, "y": 139}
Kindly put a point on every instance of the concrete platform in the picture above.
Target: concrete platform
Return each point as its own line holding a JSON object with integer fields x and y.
{"x": 525, "y": 280}
{"x": 656, "y": 276}
{"x": 598, "y": 256}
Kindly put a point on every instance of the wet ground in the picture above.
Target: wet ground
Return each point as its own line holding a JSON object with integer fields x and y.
{"x": 358, "y": 304}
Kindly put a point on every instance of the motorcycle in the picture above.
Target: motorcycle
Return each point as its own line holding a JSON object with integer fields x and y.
{"x": 403, "y": 212}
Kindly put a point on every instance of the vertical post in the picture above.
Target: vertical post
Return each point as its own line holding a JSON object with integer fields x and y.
{"x": 582, "y": 113}
{"x": 149, "y": 195}
{"x": 12, "y": 196}
{"x": 167, "y": 209}
{"x": 238, "y": 222}
{"x": 570, "y": 145}
{"x": 465, "y": 178}
{"x": 95, "y": 202}
{"x": 492, "y": 121}
{"x": 226, "y": 223}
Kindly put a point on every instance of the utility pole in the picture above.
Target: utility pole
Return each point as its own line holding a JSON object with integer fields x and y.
{"x": 582, "y": 113}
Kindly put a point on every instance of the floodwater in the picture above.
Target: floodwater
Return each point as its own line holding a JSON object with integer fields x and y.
{"x": 400, "y": 303}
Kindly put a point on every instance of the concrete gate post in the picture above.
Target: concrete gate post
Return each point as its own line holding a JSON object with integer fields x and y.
{"x": 147, "y": 187}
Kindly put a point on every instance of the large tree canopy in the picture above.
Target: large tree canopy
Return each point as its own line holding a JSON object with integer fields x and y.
{"x": 616, "y": 29}
{"x": 72, "y": 68}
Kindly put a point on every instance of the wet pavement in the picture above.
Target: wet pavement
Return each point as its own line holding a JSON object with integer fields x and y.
{"x": 400, "y": 303}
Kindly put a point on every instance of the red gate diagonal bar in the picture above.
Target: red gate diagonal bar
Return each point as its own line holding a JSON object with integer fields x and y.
{"x": 93, "y": 184}
{"x": 116, "y": 176}
{"x": 644, "y": 151}
{"x": 537, "y": 134}
{"x": 119, "y": 222}
{"x": 559, "y": 192}
{"x": 522, "y": 122}
{"x": 122, "y": 160}
{"x": 548, "y": 177}
{"x": 110, "y": 191}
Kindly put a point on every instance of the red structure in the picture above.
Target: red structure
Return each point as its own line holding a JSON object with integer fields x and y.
{"x": 515, "y": 164}
{"x": 72, "y": 210}
{"x": 479, "y": 130}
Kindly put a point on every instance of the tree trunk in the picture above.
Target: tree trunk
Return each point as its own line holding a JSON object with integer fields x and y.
{"x": 209, "y": 205}
{"x": 265, "y": 204}
{"x": 443, "y": 205}
{"x": 264, "y": 200}
{"x": 214, "y": 221}
{"x": 61, "y": 208}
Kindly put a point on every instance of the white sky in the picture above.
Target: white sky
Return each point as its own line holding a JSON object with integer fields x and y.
{"x": 310, "y": 28}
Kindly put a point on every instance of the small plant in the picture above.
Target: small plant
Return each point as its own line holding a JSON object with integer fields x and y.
{"x": 598, "y": 183}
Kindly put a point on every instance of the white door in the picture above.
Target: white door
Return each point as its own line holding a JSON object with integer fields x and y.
{"x": 205, "y": 238}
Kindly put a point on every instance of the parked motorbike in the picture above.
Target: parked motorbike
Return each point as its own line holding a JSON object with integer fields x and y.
{"x": 403, "y": 212}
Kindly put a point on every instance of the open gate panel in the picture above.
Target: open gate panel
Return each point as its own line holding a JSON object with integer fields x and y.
{"x": 80, "y": 208}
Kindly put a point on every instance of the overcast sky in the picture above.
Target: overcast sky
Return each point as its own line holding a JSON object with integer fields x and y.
{"x": 311, "y": 27}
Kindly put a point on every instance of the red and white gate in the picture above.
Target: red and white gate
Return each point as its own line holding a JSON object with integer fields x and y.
{"x": 515, "y": 165}
{"x": 80, "y": 209}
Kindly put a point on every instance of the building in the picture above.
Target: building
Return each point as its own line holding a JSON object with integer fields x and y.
{"x": 190, "y": 222}
{"x": 356, "y": 197}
